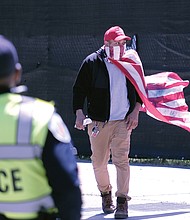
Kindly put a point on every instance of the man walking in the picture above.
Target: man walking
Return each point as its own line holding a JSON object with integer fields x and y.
{"x": 113, "y": 104}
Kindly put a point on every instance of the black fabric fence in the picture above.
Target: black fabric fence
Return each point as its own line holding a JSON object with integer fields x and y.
{"x": 53, "y": 37}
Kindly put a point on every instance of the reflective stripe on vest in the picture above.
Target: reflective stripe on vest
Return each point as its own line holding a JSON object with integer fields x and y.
{"x": 25, "y": 123}
{"x": 20, "y": 152}
{"x": 24, "y": 149}
{"x": 28, "y": 207}
{"x": 23, "y": 135}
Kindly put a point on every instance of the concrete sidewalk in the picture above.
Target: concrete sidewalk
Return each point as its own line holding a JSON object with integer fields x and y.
{"x": 157, "y": 193}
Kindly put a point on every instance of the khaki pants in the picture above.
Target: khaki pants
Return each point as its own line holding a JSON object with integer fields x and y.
{"x": 114, "y": 138}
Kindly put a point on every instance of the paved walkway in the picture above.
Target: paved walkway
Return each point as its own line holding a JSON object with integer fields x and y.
{"x": 157, "y": 193}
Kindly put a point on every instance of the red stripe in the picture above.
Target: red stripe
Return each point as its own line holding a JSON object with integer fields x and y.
{"x": 127, "y": 60}
{"x": 152, "y": 86}
{"x": 184, "y": 127}
{"x": 137, "y": 67}
{"x": 174, "y": 76}
{"x": 174, "y": 119}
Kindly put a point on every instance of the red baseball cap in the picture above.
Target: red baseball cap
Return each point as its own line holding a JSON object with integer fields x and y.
{"x": 115, "y": 33}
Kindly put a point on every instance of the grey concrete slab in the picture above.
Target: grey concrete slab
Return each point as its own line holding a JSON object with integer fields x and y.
{"x": 157, "y": 193}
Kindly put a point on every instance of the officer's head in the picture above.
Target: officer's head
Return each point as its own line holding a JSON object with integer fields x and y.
{"x": 10, "y": 68}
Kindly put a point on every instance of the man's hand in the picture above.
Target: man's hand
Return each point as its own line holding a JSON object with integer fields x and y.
{"x": 79, "y": 120}
{"x": 133, "y": 118}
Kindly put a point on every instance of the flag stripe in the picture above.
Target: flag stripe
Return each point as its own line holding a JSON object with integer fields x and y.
{"x": 140, "y": 89}
{"x": 174, "y": 120}
{"x": 135, "y": 62}
{"x": 165, "y": 101}
{"x": 168, "y": 85}
{"x": 174, "y": 105}
{"x": 167, "y": 98}
{"x": 164, "y": 92}
{"x": 174, "y": 113}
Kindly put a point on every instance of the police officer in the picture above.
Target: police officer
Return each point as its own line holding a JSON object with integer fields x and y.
{"x": 38, "y": 172}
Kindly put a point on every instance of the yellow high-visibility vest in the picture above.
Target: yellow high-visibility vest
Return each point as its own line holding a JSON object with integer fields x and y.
{"x": 24, "y": 189}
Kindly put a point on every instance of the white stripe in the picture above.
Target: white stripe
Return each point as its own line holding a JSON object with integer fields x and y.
{"x": 164, "y": 92}
{"x": 107, "y": 50}
{"x": 174, "y": 113}
{"x": 20, "y": 152}
{"x": 181, "y": 123}
{"x": 175, "y": 103}
{"x": 135, "y": 75}
{"x": 161, "y": 78}
{"x": 164, "y": 77}
{"x": 27, "y": 207}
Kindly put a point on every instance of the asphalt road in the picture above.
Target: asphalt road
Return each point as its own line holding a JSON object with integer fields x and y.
{"x": 161, "y": 193}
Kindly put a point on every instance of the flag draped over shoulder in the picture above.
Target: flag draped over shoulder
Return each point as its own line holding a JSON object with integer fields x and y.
{"x": 161, "y": 93}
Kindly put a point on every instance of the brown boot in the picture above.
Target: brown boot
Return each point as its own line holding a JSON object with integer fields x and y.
{"x": 122, "y": 208}
{"x": 107, "y": 203}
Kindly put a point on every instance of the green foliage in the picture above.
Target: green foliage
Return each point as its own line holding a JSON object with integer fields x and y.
{"x": 161, "y": 162}
{"x": 151, "y": 161}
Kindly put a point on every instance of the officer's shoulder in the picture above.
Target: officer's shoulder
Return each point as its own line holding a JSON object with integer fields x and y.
{"x": 44, "y": 106}
{"x": 42, "y": 110}
{"x": 44, "y": 102}
{"x": 41, "y": 102}
{"x": 56, "y": 125}
{"x": 58, "y": 129}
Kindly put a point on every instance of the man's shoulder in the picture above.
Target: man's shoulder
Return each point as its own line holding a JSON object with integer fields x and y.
{"x": 95, "y": 56}
{"x": 92, "y": 57}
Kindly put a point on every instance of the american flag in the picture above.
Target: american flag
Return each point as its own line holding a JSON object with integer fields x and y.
{"x": 161, "y": 93}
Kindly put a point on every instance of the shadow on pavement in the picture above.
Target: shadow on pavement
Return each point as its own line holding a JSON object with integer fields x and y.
{"x": 157, "y": 215}
{"x": 158, "y": 206}
{"x": 141, "y": 217}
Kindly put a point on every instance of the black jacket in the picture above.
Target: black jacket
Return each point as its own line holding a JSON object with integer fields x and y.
{"x": 93, "y": 82}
